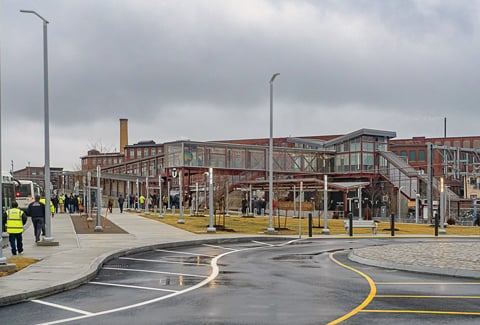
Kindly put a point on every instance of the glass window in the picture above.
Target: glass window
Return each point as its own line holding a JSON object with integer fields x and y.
{"x": 367, "y": 161}
{"x": 355, "y": 161}
{"x": 403, "y": 153}
{"x": 341, "y": 163}
{"x": 355, "y": 145}
{"x": 381, "y": 146}
{"x": 145, "y": 152}
{"x": 412, "y": 155}
{"x": 132, "y": 153}
{"x": 421, "y": 155}
{"x": 368, "y": 146}
{"x": 139, "y": 152}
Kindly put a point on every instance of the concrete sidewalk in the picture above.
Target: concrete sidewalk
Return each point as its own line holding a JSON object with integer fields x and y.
{"x": 79, "y": 256}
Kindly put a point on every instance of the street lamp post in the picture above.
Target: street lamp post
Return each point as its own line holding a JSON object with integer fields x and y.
{"x": 160, "y": 200}
{"x": 325, "y": 206}
{"x": 48, "y": 216}
{"x": 3, "y": 259}
{"x": 398, "y": 201}
{"x": 270, "y": 228}
{"x": 211, "y": 226}
{"x": 99, "y": 227}
{"x": 442, "y": 206}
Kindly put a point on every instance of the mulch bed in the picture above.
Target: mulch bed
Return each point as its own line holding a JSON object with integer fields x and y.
{"x": 82, "y": 226}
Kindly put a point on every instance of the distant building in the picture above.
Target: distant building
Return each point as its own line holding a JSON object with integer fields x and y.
{"x": 37, "y": 175}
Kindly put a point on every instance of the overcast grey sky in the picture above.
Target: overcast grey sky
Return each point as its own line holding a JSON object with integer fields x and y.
{"x": 199, "y": 70}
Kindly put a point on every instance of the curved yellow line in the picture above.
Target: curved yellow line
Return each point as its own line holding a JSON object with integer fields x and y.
{"x": 371, "y": 295}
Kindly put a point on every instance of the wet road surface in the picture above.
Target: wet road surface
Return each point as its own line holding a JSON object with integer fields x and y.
{"x": 272, "y": 282}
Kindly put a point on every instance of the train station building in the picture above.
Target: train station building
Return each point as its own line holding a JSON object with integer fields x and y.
{"x": 367, "y": 172}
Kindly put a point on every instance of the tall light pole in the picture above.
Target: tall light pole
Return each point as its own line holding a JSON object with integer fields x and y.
{"x": 270, "y": 228}
{"x": 398, "y": 201}
{"x": 211, "y": 227}
{"x": 48, "y": 216}
{"x": 3, "y": 259}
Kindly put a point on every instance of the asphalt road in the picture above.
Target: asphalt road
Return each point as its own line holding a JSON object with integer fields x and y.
{"x": 280, "y": 282}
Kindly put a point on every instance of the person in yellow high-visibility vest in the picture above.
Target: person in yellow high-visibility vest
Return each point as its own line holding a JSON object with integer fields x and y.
{"x": 61, "y": 203}
{"x": 52, "y": 211}
{"x": 14, "y": 219}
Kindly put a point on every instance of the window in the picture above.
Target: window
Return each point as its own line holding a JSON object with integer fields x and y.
{"x": 355, "y": 144}
{"x": 139, "y": 152}
{"x": 132, "y": 153}
{"x": 421, "y": 155}
{"x": 367, "y": 161}
{"x": 412, "y": 155}
{"x": 145, "y": 152}
{"x": 368, "y": 146}
{"x": 403, "y": 153}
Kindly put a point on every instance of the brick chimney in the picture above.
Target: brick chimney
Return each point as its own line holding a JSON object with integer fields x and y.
{"x": 123, "y": 134}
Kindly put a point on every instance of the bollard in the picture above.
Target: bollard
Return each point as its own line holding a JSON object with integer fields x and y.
{"x": 350, "y": 222}
{"x": 392, "y": 225}
{"x": 436, "y": 224}
{"x": 310, "y": 219}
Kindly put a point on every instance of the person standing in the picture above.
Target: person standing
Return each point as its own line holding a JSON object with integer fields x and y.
{"x": 36, "y": 210}
{"x": 14, "y": 219}
{"x": 52, "y": 211}
{"x": 120, "y": 203}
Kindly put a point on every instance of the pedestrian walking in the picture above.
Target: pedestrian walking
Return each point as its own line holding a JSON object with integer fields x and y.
{"x": 14, "y": 219}
{"x": 110, "y": 205}
{"x": 120, "y": 203}
{"x": 36, "y": 210}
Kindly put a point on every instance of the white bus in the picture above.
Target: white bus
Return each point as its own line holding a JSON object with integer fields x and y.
{"x": 8, "y": 190}
{"x": 25, "y": 193}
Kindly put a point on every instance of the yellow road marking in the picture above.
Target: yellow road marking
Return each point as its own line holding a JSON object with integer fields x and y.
{"x": 371, "y": 295}
{"x": 422, "y": 312}
{"x": 427, "y": 283}
{"x": 427, "y": 297}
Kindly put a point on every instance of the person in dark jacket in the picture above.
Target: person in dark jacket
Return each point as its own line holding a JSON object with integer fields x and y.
{"x": 120, "y": 203}
{"x": 36, "y": 210}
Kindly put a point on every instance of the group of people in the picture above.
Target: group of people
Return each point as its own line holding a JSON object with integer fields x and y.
{"x": 69, "y": 204}
{"x": 14, "y": 219}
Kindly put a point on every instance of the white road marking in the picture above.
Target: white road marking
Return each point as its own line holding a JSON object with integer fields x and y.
{"x": 262, "y": 243}
{"x": 210, "y": 278}
{"x": 130, "y": 286}
{"x": 75, "y": 310}
{"x": 157, "y": 272}
{"x": 185, "y": 253}
{"x": 221, "y": 247}
{"x": 160, "y": 261}
{"x": 288, "y": 242}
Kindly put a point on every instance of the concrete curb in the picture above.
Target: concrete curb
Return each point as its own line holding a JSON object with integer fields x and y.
{"x": 414, "y": 268}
